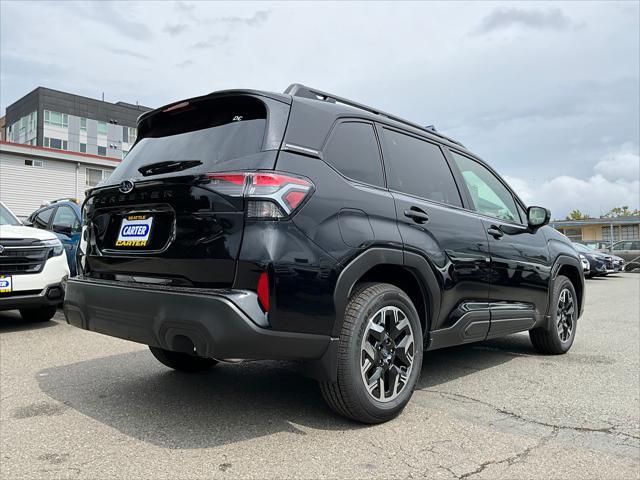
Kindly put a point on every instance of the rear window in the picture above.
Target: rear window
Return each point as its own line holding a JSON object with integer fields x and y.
{"x": 212, "y": 135}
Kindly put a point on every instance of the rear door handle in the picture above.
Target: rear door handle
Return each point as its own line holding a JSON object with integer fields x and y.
{"x": 495, "y": 232}
{"x": 417, "y": 215}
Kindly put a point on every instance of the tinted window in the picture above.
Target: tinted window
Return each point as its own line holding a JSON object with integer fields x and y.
{"x": 42, "y": 219}
{"x": 353, "y": 150}
{"x": 65, "y": 216}
{"x": 418, "y": 168}
{"x": 489, "y": 195}
{"x": 224, "y": 134}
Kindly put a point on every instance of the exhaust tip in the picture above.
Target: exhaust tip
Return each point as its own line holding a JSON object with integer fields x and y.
{"x": 183, "y": 344}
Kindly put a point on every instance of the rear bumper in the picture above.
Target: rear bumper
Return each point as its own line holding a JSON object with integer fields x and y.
{"x": 50, "y": 295}
{"x": 218, "y": 323}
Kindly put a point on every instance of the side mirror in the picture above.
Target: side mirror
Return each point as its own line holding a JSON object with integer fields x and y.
{"x": 537, "y": 217}
{"x": 63, "y": 229}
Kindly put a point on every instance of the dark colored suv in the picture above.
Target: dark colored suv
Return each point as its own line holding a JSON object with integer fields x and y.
{"x": 304, "y": 226}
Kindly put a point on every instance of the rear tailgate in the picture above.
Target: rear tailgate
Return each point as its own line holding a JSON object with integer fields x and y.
{"x": 159, "y": 219}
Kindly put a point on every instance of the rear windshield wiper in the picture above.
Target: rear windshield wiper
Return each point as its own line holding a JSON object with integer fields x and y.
{"x": 168, "y": 166}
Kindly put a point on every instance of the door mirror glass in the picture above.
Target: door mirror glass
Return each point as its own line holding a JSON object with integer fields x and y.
{"x": 538, "y": 216}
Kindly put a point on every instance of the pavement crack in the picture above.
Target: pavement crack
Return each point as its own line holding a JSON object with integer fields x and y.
{"x": 607, "y": 431}
{"x": 515, "y": 458}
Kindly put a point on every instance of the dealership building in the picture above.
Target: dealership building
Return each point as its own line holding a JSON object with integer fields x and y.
{"x": 605, "y": 229}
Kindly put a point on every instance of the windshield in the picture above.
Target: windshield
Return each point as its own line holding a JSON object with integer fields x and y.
{"x": 207, "y": 136}
{"x": 7, "y": 218}
{"x": 582, "y": 248}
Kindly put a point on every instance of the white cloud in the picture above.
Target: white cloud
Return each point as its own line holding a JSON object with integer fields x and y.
{"x": 622, "y": 166}
{"x": 614, "y": 182}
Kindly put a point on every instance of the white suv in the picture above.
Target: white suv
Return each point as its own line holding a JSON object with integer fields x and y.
{"x": 33, "y": 269}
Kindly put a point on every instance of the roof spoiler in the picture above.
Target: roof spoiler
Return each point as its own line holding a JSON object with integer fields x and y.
{"x": 299, "y": 90}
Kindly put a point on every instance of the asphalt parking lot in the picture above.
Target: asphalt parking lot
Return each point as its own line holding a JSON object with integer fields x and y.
{"x": 75, "y": 404}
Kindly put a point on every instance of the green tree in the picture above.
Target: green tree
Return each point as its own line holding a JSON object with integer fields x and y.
{"x": 621, "y": 212}
{"x": 577, "y": 215}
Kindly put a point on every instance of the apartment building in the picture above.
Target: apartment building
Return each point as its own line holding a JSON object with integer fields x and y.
{"x": 64, "y": 121}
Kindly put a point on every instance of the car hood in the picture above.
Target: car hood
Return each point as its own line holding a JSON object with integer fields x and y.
{"x": 20, "y": 231}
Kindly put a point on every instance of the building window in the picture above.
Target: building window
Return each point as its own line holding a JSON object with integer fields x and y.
{"x": 34, "y": 163}
{"x": 102, "y": 128}
{"x": 621, "y": 232}
{"x": 83, "y": 147}
{"x": 606, "y": 234}
{"x": 128, "y": 134}
{"x": 96, "y": 175}
{"x": 56, "y": 143}
{"x": 102, "y": 151}
{"x": 83, "y": 124}
{"x": 629, "y": 232}
{"x": 56, "y": 118}
{"x": 574, "y": 234}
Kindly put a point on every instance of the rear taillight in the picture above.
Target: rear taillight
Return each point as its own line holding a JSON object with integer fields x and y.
{"x": 270, "y": 195}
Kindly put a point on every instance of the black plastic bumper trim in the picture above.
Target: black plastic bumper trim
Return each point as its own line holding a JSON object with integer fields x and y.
{"x": 213, "y": 322}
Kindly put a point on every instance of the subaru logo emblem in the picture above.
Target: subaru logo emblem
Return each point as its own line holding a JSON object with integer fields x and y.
{"x": 126, "y": 186}
{"x": 1, "y": 249}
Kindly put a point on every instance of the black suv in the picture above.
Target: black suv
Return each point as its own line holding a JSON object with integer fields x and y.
{"x": 304, "y": 226}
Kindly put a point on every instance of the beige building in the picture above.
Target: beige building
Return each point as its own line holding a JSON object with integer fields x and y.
{"x": 595, "y": 229}
{"x": 30, "y": 176}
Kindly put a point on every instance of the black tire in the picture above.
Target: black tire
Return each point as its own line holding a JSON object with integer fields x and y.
{"x": 348, "y": 396}
{"x": 549, "y": 341}
{"x": 40, "y": 314}
{"x": 182, "y": 362}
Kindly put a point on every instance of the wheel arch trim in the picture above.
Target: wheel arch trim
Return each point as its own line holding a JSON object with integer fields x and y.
{"x": 564, "y": 260}
{"x": 375, "y": 256}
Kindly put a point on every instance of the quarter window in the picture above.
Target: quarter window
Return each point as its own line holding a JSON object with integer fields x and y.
{"x": 418, "y": 167}
{"x": 41, "y": 220}
{"x": 490, "y": 197}
{"x": 353, "y": 150}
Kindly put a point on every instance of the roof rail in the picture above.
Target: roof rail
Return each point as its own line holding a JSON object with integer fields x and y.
{"x": 299, "y": 90}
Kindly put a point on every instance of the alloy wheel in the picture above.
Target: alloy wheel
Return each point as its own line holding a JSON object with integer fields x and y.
{"x": 387, "y": 351}
{"x": 565, "y": 315}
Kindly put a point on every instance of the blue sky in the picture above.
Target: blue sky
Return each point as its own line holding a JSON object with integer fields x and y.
{"x": 548, "y": 93}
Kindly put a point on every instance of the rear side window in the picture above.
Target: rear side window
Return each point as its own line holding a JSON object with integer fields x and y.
{"x": 352, "y": 149}
{"x": 222, "y": 134}
{"x": 418, "y": 167}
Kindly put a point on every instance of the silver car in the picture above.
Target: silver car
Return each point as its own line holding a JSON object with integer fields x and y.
{"x": 630, "y": 251}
